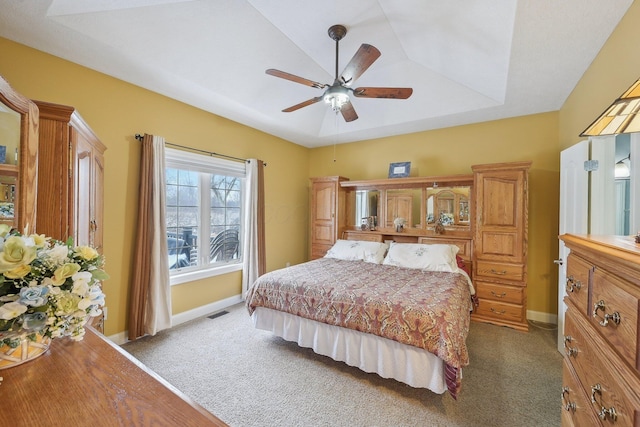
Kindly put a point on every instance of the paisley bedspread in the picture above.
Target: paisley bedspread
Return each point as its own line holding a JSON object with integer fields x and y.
{"x": 430, "y": 310}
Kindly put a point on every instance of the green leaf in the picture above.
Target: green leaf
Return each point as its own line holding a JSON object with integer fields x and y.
{"x": 99, "y": 275}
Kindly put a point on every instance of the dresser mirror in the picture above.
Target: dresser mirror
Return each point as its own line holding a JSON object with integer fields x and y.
{"x": 404, "y": 203}
{"x": 450, "y": 206}
{"x": 18, "y": 158}
{"x": 366, "y": 208}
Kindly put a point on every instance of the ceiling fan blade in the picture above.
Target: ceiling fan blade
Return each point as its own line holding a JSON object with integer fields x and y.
{"x": 293, "y": 78}
{"x": 348, "y": 112}
{"x": 302, "y": 104}
{"x": 383, "y": 92}
{"x": 364, "y": 57}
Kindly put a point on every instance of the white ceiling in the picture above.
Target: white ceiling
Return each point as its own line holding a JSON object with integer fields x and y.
{"x": 467, "y": 60}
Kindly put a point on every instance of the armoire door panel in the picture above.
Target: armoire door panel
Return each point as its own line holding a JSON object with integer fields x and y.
{"x": 82, "y": 196}
{"x": 501, "y": 245}
{"x": 323, "y": 234}
{"x": 500, "y": 202}
{"x": 327, "y": 214}
{"x": 325, "y": 205}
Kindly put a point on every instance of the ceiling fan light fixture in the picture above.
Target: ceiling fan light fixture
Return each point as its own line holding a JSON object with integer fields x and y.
{"x": 336, "y": 97}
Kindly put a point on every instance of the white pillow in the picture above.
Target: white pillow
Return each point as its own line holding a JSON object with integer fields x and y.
{"x": 358, "y": 250}
{"x": 421, "y": 256}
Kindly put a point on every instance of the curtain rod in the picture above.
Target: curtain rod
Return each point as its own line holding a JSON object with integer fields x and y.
{"x": 210, "y": 153}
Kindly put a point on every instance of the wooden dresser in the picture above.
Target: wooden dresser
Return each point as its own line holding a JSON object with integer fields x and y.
{"x": 93, "y": 383}
{"x": 601, "y": 368}
{"x": 500, "y": 243}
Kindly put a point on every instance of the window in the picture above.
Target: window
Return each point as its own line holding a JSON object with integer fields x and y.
{"x": 204, "y": 215}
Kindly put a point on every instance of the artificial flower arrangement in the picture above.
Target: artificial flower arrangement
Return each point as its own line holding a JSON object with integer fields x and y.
{"x": 47, "y": 287}
{"x": 399, "y": 223}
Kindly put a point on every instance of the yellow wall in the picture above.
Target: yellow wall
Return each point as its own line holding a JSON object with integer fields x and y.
{"x": 454, "y": 151}
{"x": 116, "y": 111}
{"x": 613, "y": 71}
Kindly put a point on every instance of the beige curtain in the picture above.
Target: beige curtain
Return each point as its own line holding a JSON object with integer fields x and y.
{"x": 150, "y": 306}
{"x": 254, "y": 264}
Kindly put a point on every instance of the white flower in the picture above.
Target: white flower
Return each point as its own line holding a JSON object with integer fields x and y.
{"x": 11, "y": 310}
{"x": 57, "y": 255}
{"x": 399, "y": 222}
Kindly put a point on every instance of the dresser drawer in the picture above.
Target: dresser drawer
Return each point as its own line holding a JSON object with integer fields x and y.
{"x": 501, "y": 293}
{"x": 576, "y": 406}
{"x": 615, "y": 314}
{"x": 500, "y": 270}
{"x": 591, "y": 360}
{"x": 577, "y": 284}
{"x": 500, "y": 311}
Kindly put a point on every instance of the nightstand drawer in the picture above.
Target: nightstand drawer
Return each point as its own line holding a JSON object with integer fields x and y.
{"x": 500, "y": 270}
{"x": 500, "y": 293}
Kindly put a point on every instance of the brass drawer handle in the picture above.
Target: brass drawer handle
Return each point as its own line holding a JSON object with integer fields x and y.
{"x": 572, "y": 284}
{"x": 502, "y": 295}
{"x": 569, "y": 406}
{"x": 501, "y": 312}
{"x": 615, "y": 317}
{"x": 499, "y": 273}
{"x": 604, "y": 412}
{"x": 570, "y": 351}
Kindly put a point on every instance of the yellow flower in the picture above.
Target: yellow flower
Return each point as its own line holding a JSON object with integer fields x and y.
{"x": 64, "y": 272}
{"x": 40, "y": 240}
{"x": 15, "y": 254}
{"x": 19, "y": 272}
{"x": 4, "y": 229}
{"x": 86, "y": 252}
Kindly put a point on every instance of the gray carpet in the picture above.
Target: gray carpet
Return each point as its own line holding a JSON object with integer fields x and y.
{"x": 248, "y": 377}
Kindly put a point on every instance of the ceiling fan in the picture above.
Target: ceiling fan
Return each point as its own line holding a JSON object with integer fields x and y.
{"x": 337, "y": 94}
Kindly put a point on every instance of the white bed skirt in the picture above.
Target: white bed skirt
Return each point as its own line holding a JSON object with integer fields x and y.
{"x": 370, "y": 353}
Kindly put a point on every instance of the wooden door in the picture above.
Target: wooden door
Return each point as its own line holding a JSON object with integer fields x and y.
{"x": 574, "y": 210}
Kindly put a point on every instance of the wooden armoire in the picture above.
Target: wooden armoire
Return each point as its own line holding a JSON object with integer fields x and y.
{"x": 70, "y": 177}
{"x": 500, "y": 243}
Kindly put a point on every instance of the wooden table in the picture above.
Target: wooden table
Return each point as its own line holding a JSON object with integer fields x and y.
{"x": 93, "y": 382}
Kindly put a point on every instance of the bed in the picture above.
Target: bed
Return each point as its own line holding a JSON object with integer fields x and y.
{"x": 400, "y": 310}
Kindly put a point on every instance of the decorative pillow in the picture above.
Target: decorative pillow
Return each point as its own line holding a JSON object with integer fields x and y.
{"x": 421, "y": 256}
{"x": 358, "y": 250}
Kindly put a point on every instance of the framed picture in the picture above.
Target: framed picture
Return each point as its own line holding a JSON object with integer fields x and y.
{"x": 399, "y": 170}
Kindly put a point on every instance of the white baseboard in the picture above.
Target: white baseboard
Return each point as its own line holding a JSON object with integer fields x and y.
{"x": 122, "y": 337}
{"x": 205, "y": 310}
{"x": 539, "y": 316}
